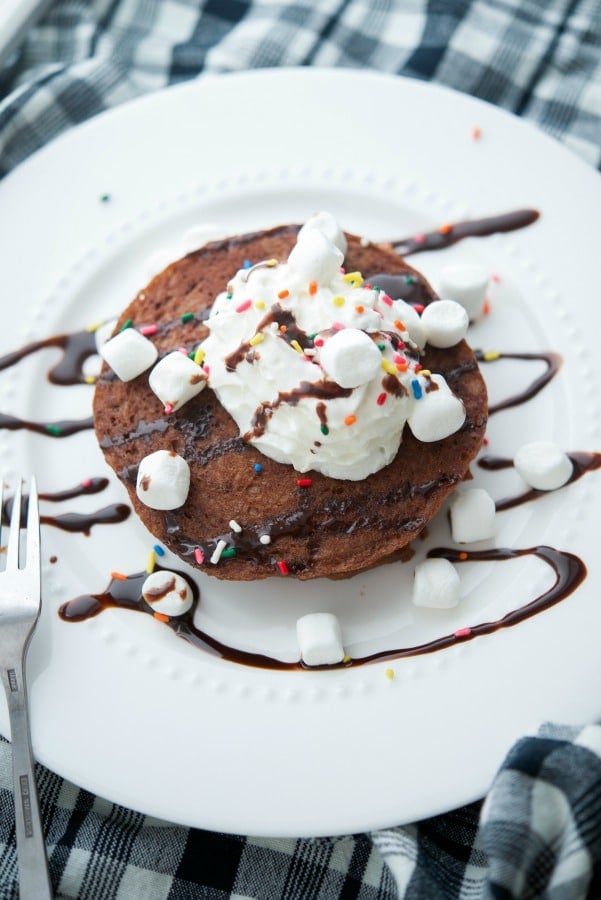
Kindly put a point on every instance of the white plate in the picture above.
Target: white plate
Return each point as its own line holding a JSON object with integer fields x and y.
{"x": 119, "y": 704}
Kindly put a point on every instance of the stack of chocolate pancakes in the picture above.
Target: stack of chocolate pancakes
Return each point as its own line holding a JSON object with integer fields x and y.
{"x": 316, "y": 526}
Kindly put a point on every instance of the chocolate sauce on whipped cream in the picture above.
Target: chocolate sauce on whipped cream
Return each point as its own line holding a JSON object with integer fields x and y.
{"x": 320, "y": 390}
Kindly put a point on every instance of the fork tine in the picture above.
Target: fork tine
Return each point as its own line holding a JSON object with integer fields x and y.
{"x": 12, "y": 550}
{"x": 33, "y": 531}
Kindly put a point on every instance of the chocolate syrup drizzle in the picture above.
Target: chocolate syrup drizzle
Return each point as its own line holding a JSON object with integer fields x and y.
{"x": 553, "y": 362}
{"x": 582, "y": 463}
{"x": 76, "y": 348}
{"x": 59, "y": 429}
{"x": 410, "y": 288}
{"x": 73, "y": 521}
{"x": 127, "y": 593}
{"x": 451, "y": 234}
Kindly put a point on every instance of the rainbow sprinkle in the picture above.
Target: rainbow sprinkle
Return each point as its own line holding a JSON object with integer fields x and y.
{"x": 244, "y": 306}
{"x": 151, "y": 562}
{"x": 304, "y": 482}
{"x": 218, "y": 551}
{"x": 199, "y": 556}
{"x": 416, "y": 388}
{"x": 283, "y": 567}
{"x": 187, "y": 317}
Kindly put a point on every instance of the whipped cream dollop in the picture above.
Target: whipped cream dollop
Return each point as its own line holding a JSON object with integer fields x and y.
{"x": 318, "y": 369}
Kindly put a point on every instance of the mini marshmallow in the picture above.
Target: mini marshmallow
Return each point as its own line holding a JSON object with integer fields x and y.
{"x": 315, "y": 257}
{"x": 320, "y": 639}
{"x": 168, "y": 593}
{"x": 466, "y": 283}
{"x": 472, "y": 516}
{"x": 436, "y": 584}
{"x": 446, "y": 323}
{"x": 543, "y": 465}
{"x": 163, "y": 480}
{"x": 176, "y": 379}
{"x": 327, "y": 224}
{"x": 437, "y": 414}
{"x": 412, "y": 321}
{"x": 91, "y": 367}
{"x": 350, "y": 358}
{"x": 129, "y": 354}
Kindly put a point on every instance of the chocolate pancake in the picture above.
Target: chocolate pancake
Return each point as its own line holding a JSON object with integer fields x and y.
{"x": 318, "y": 526}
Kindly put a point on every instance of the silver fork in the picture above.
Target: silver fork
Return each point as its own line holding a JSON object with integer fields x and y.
{"x": 20, "y": 602}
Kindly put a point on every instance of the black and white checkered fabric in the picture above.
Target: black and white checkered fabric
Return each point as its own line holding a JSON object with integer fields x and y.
{"x": 538, "y": 833}
{"x": 541, "y": 60}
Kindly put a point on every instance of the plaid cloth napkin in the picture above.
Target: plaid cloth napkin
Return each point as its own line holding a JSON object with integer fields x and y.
{"x": 538, "y": 833}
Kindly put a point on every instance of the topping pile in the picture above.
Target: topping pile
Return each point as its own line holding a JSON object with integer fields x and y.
{"x": 321, "y": 370}
{"x": 318, "y": 369}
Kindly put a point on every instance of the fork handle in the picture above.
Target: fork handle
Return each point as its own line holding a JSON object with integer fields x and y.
{"x": 34, "y": 880}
